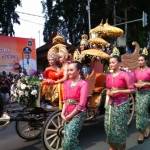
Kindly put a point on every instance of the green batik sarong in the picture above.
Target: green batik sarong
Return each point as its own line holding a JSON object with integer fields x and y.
{"x": 116, "y": 118}
{"x": 71, "y": 132}
{"x": 142, "y": 110}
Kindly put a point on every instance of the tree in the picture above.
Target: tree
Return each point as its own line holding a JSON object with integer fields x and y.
{"x": 8, "y": 16}
{"x": 66, "y": 17}
{"x": 70, "y": 17}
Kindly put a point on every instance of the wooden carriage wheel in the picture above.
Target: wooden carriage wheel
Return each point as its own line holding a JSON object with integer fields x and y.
{"x": 53, "y": 131}
{"x": 132, "y": 108}
{"x": 27, "y": 131}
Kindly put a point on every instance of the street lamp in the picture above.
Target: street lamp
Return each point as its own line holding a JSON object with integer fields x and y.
{"x": 89, "y": 13}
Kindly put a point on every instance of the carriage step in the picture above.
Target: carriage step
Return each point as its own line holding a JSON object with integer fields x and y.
{"x": 5, "y": 117}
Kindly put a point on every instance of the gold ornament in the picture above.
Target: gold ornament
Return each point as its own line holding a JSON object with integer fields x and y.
{"x": 58, "y": 39}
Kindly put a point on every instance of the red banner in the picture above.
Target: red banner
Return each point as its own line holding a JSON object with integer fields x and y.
{"x": 17, "y": 53}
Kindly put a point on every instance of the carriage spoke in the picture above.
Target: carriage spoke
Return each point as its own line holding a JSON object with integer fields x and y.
{"x": 54, "y": 140}
{"x": 54, "y": 124}
{"x": 58, "y": 143}
{"x": 52, "y": 130}
{"x": 52, "y": 136}
{"x": 59, "y": 121}
{"x": 62, "y": 122}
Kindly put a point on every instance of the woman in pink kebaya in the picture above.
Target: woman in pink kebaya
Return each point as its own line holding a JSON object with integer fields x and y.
{"x": 74, "y": 108}
{"x": 142, "y": 77}
{"x": 119, "y": 86}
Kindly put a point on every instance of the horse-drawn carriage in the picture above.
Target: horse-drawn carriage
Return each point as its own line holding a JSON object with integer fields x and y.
{"x": 33, "y": 120}
{"x": 52, "y": 133}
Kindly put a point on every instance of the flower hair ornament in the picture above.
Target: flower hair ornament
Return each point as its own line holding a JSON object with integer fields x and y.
{"x": 115, "y": 51}
{"x": 84, "y": 40}
{"x": 145, "y": 51}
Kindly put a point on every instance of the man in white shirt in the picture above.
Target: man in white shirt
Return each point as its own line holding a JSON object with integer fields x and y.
{"x": 28, "y": 64}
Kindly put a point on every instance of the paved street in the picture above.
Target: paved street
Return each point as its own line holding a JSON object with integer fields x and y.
{"x": 92, "y": 138}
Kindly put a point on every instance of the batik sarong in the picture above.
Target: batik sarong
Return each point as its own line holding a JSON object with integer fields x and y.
{"x": 142, "y": 110}
{"x": 71, "y": 132}
{"x": 116, "y": 118}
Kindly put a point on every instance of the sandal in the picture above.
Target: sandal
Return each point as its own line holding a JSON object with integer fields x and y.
{"x": 147, "y": 133}
{"x": 140, "y": 139}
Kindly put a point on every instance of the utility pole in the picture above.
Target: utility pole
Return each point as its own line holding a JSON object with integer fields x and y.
{"x": 126, "y": 25}
{"x": 114, "y": 11}
{"x": 39, "y": 38}
{"x": 89, "y": 13}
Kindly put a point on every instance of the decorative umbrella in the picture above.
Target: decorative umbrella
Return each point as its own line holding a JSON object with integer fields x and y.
{"x": 111, "y": 31}
{"x": 98, "y": 41}
{"x": 95, "y": 52}
{"x": 97, "y": 29}
{"x": 107, "y": 30}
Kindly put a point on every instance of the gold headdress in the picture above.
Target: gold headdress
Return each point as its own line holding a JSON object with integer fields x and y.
{"x": 59, "y": 48}
{"x": 145, "y": 51}
{"x": 84, "y": 40}
{"x": 52, "y": 55}
{"x": 58, "y": 39}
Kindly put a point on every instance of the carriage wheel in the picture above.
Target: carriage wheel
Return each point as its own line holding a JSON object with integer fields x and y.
{"x": 132, "y": 108}
{"x": 28, "y": 130}
{"x": 4, "y": 124}
{"x": 53, "y": 132}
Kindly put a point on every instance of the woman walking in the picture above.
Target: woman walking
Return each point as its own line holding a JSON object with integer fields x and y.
{"x": 142, "y": 77}
{"x": 118, "y": 86}
{"x": 75, "y": 101}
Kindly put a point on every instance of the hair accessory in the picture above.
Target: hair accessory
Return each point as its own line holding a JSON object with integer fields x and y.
{"x": 84, "y": 40}
{"x": 145, "y": 51}
{"x": 115, "y": 51}
{"x": 58, "y": 39}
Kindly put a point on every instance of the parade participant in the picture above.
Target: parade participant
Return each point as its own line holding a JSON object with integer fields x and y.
{"x": 118, "y": 84}
{"x": 75, "y": 101}
{"x": 142, "y": 77}
{"x": 49, "y": 89}
{"x": 63, "y": 62}
{"x": 84, "y": 43}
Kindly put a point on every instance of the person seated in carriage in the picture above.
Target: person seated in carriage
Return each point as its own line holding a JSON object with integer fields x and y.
{"x": 86, "y": 66}
{"x": 55, "y": 75}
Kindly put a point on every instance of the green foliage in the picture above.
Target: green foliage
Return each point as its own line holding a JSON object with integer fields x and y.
{"x": 66, "y": 17}
{"x": 8, "y": 16}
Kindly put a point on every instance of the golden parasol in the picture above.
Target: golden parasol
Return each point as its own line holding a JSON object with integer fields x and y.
{"x": 107, "y": 30}
{"x": 95, "y": 52}
{"x": 111, "y": 31}
{"x": 97, "y": 29}
{"x": 98, "y": 41}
